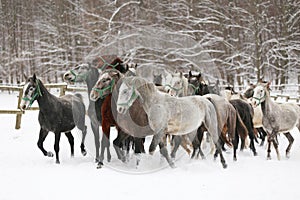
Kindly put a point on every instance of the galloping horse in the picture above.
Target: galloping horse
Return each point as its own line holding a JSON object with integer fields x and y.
{"x": 257, "y": 116}
{"x": 167, "y": 114}
{"x": 103, "y": 89}
{"x": 56, "y": 115}
{"x": 89, "y": 73}
{"x": 228, "y": 118}
{"x": 277, "y": 118}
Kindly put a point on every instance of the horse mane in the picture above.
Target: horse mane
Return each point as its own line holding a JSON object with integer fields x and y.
{"x": 144, "y": 87}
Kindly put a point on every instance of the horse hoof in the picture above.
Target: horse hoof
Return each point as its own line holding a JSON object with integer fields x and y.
{"x": 235, "y": 159}
{"x": 172, "y": 165}
{"x": 123, "y": 159}
{"x": 99, "y": 165}
{"x": 224, "y": 165}
{"x": 287, "y": 155}
{"x": 151, "y": 153}
{"x": 255, "y": 153}
{"x": 50, "y": 154}
{"x": 83, "y": 152}
{"x": 57, "y": 162}
{"x": 269, "y": 158}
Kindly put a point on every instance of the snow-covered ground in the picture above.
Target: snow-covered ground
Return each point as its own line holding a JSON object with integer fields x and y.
{"x": 26, "y": 174}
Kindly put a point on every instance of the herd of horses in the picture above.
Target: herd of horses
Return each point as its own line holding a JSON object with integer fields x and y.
{"x": 175, "y": 105}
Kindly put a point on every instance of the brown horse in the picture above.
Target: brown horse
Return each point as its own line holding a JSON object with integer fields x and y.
{"x": 103, "y": 89}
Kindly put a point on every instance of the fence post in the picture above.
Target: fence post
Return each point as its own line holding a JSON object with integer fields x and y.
{"x": 19, "y": 116}
{"x": 63, "y": 90}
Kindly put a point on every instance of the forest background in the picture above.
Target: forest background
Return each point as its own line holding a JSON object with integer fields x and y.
{"x": 243, "y": 40}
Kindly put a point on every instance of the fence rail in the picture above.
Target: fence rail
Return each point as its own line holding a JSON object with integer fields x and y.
{"x": 63, "y": 87}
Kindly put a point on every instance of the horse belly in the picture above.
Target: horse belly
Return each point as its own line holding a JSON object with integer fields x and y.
{"x": 184, "y": 122}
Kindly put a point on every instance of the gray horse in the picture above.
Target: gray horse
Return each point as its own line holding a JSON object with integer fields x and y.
{"x": 277, "y": 118}
{"x": 167, "y": 114}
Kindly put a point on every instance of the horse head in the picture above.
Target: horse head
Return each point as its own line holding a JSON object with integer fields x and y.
{"x": 131, "y": 89}
{"x": 178, "y": 85}
{"x": 260, "y": 93}
{"x": 31, "y": 92}
{"x": 105, "y": 84}
{"x": 78, "y": 73}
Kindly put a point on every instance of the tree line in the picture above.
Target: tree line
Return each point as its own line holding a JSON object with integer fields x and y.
{"x": 245, "y": 40}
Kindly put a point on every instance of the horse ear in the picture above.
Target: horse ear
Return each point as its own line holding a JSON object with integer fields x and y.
{"x": 199, "y": 76}
{"x": 34, "y": 77}
{"x": 190, "y": 73}
{"x": 180, "y": 74}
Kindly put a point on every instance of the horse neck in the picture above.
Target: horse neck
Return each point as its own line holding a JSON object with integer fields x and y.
{"x": 267, "y": 105}
{"x": 91, "y": 79}
{"x": 45, "y": 100}
{"x": 149, "y": 99}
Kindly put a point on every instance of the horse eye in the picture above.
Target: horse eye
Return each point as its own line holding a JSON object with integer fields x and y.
{"x": 31, "y": 89}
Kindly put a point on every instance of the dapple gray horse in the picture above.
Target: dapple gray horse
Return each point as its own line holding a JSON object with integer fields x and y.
{"x": 277, "y": 118}
{"x": 169, "y": 115}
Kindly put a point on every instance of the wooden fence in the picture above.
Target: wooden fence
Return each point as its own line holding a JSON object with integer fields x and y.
{"x": 63, "y": 87}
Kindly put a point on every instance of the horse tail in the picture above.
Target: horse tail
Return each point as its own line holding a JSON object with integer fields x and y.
{"x": 222, "y": 133}
{"x": 231, "y": 124}
{"x": 240, "y": 127}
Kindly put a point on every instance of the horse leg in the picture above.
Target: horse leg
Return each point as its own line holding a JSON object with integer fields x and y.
{"x": 291, "y": 141}
{"x": 71, "y": 141}
{"x": 82, "y": 146}
{"x": 164, "y": 152}
{"x": 155, "y": 141}
{"x": 195, "y": 144}
{"x": 275, "y": 143}
{"x": 117, "y": 143}
{"x": 177, "y": 139}
{"x": 56, "y": 146}
{"x": 219, "y": 149}
{"x": 138, "y": 149}
{"x": 262, "y": 134}
{"x": 200, "y": 134}
{"x": 243, "y": 144}
{"x": 95, "y": 129}
{"x": 42, "y": 136}
{"x": 269, "y": 148}
{"x": 221, "y": 144}
{"x": 252, "y": 146}
{"x": 105, "y": 144}
{"x": 235, "y": 145}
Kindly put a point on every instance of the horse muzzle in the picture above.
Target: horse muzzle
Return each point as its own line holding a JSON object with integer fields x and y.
{"x": 68, "y": 77}
{"x": 121, "y": 109}
{"x": 94, "y": 96}
{"x": 24, "y": 106}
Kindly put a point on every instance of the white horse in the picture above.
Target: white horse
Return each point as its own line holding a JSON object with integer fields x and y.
{"x": 178, "y": 85}
{"x": 169, "y": 115}
{"x": 277, "y": 118}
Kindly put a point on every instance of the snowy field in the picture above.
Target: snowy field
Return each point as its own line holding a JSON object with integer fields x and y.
{"x": 26, "y": 174}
